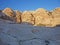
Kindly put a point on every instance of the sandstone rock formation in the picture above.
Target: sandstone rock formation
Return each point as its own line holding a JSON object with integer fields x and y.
{"x": 9, "y": 12}
{"x": 39, "y": 17}
{"x": 18, "y": 16}
{"x": 27, "y": 17}
{"x": 56, "y": 16}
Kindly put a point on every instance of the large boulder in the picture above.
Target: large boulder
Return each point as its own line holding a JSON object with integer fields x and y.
{"x": 41, "y": 17}
{"x": 56, "y": 16}
{"x": 27, "y": 17}
{"x": 18, "y": 16}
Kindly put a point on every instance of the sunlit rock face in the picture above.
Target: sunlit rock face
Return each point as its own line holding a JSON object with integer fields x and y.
{"x": 9, "y": 12}
{"x": 18, "y": 16}
{"x": 38, "y": 17}
{"x": 27, "y": 17}
{"x": 2, "y": 15}
{"x": 41, "y": 17}
{"x": 56, "y": 16}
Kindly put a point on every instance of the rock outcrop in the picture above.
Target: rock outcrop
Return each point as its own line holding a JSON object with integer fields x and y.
{"x": 27, "y": 17}
{"x": 39, "y": 17}
{"x": 9, "y": 12}
{"x": 18, "y": 17}
{"x": 56, "y": 16}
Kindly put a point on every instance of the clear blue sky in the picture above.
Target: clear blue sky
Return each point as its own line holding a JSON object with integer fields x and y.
{"x": 29, "y": 4}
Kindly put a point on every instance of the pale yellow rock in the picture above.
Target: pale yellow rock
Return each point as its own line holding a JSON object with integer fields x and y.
{"x": 41, "y": 17}
{"x": 9, "y": 12}
{"x": 56, "y": 16}
{"x": 27, "y": 17}
{"x": 18, "y": 16}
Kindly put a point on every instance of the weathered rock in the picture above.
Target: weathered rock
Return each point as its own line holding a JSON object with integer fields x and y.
{"x": 27, "y": 17}
{"x": 18, "y": 17}
{"x": 9, "y": 12}
{"x": 56, "y": 16}
{"x": 41, "y": 17}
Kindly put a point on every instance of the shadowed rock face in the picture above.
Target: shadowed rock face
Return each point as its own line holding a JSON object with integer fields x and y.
{"x": 4, "y": 16}
{"x": 39, "y": 17}
{"x": 1, "y": 14}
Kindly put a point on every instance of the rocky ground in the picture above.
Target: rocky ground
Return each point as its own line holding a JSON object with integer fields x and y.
{"x": 26, "y": 34}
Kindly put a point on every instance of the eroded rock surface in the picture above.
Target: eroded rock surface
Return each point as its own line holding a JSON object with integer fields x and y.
{"x": 18, "y": 16}
{"x": 39, "y": 17}
{"x": 27, "y": 17}
{"x": 9, "y": 13}
{"x": 56, "y": 16}
{"x": 42, "y": 17}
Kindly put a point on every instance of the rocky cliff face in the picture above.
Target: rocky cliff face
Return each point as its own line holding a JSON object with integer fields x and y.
{"x": 39, "y": 17}
{"x": 18, "y": 16}
{"x": 9, "y": 13}
{"x": 56, "y": 16}
{"x": 27, "y": 17}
